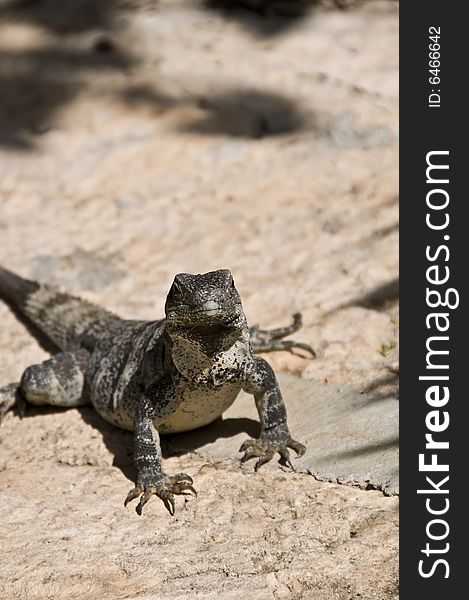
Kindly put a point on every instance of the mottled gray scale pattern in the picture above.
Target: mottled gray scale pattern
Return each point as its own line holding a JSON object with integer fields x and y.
{"x": 9, "y": 395}
{"x": 166, "y": 376}
{"x": 58, "y": 381}
{"x": 65, "y": 318}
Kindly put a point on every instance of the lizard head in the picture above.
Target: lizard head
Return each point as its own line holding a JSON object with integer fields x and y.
{"x": 208, "y": 303}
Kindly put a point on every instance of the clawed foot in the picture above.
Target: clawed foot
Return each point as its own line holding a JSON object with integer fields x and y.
{"x": 270, "y": 442}
{"x": 163, "y": 486}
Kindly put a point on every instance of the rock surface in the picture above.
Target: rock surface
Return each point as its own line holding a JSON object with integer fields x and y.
{"x": 351, "y": 437}
{"x": 141, "y": 139}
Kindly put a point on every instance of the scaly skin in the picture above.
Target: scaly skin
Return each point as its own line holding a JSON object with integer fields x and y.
{"x": 166, "y": 376}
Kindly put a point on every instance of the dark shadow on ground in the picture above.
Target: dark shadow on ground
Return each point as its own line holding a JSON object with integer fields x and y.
{"x": 380, "y": 382}
{"x": 63, "y": 16}
{"x": 381, "y": 389}
{"x": 383, "y": 232}
{"x": 380, "y": 298}
{"x": 263, "y": 18}
{"x": 44, "y": 342}
{"x": 36, "y": 82}
{"x": 221, "y": 428}
{"x": 268, "y": 18}
{"x": 244, "y": 113}
{"x": 27, "y": 106}
{"x": 367, "y": 450}
{"x": 83, "y": 36}
{"x": 138, "y": 96}
{"x": 120, "y": 442}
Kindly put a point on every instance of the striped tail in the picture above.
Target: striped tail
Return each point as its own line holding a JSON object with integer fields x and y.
{"x": 57, "y": 320}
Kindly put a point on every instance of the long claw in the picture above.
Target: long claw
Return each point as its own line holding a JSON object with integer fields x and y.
{"x": 265, "y": 458}
{"x": 248, "y": 456}
{"x": 179, "y": 477}
{"x": 246, "y": 445}
{"x": 169, "y": 504}
{"x": 163, "y": 486}
{"x": 144, "y": 499}
{"x": 285, "y": 454}
{"x": 300, "y": 449}
{"x": 252, "y": 449}
{"x": 265, "y": 448}
{"x": 183, "y": 488}
{"x": 190, "y": 491}
{"x": 306, "y": 348}
{"x": 135, "y": 493}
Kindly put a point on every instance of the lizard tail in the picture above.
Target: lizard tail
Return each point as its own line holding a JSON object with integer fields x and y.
{"x": 57, "y": 320}
{"x": 14, "y": 290}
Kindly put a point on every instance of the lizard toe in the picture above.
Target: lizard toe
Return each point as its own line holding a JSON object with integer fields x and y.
{"x": 134, "y": 493}
{"x": 250, "y": 445}
{"x": 182, "y": 488}
{"x": 163, "y": 486}
{"x": 263, "y": 459}
{"x": 299, "y": 448}
{"x": 268, "y": 445}
{"x": 285, "y": 454}
{"x": 147, "y": 494}
{"x": 252, "y": 449}
{"x": 179, "y": 477}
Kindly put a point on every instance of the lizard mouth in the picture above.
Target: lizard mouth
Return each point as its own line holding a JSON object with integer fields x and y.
{"x": 217, "y": 330}
{"x": 217, "y": 316}
{"x": 221, "y": 321}
{"x": 209, "y": 325}
{"x": 218, "y": 321}
{"x": 207, "y": 319}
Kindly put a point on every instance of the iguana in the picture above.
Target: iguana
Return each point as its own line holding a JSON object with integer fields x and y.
{"x": 154, "y": 377}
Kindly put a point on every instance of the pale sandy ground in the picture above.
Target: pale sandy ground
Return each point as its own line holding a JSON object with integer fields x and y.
{"x": 202, "y": 139}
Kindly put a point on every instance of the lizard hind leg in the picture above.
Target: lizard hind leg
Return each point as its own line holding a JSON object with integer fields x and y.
{"x": 59, "y": 381}
{"x": 10, "y": 396}
{"x": 269, "y": 340}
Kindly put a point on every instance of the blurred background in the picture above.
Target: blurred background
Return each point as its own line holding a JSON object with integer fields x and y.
{"x": 142, "y": 138}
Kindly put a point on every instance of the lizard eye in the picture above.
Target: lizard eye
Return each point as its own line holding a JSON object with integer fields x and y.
{"x": 232, "y": 283}
{"x": 176, "y": 291}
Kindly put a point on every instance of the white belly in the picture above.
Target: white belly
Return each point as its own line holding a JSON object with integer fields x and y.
{"x": 198, "y": 407}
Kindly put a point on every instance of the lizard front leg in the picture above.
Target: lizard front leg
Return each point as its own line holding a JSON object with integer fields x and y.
{"x": 151, "y": 479}
{"x": 275, "y": 436}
